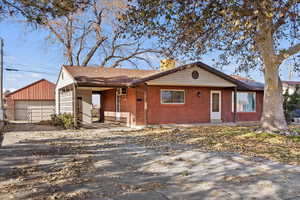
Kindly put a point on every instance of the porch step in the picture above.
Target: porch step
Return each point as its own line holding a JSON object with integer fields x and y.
{"x": 216, "y": 121}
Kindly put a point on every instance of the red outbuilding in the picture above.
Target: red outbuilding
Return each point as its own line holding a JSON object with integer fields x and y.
{"x": 34, "y": 102}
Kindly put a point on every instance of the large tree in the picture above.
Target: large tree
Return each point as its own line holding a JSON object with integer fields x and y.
{"x": 258, "y": 33}
{"x": 92, "y": 35}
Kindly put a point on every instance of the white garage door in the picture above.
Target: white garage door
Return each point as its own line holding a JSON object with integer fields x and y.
{"x": 34, "y": 110}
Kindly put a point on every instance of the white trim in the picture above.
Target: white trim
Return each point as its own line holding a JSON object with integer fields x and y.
{"x": 188, "y": 85}
{"x": 94, "y": 88}
{"x": 219, "y": 115}
{"x": 232, "y": 102}
{"x": 63, "y": 69}
{"x": 118, "y": 106}
{"x": 182, "y": 90}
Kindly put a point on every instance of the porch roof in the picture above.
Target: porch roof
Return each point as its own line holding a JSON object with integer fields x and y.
{"x": 104, "y": 76}
{"x": 122, "y": 77}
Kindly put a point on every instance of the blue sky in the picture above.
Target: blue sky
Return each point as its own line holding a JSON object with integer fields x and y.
{"x": 26, "y": 48}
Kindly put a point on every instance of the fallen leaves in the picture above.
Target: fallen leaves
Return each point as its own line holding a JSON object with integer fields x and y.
{"x": 242, "y": 140}
{"x": 77, "y": 159}
{"x": 47, "y": 184}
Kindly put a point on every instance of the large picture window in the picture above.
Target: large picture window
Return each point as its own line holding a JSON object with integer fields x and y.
{"x": 172, "y": 96}
{"x": 246, "y": 102}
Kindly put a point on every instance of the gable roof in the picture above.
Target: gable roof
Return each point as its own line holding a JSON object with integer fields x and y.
{"x": 49, "y": 93}
{"x": 120, "y": 77}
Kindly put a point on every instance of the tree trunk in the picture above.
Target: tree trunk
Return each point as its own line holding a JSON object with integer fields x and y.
{"x": 273, "y": 119}
{"x": 70, "y": 57}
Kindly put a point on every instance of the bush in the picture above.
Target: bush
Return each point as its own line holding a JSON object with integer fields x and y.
{"x": 63, "y": 120}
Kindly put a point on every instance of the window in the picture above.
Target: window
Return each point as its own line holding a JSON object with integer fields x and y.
{"x": 172, "y": 96}
{"x": 246, "y": 102}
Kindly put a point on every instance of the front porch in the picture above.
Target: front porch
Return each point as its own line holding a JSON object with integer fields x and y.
{"x": 94, "y": 107}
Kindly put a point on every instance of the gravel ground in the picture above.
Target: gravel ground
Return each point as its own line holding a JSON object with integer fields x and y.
{"x": 42, "y": 163}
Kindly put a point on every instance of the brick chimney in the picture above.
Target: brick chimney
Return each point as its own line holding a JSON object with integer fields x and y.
{"x": 167, "y": 64}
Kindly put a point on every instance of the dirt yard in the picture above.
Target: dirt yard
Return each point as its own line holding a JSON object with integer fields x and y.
{"x": 43, "y": 163}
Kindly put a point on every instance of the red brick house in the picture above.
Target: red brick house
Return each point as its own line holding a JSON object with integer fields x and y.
{"x": 34, "y": 102}
{"x": 193, "y": 93}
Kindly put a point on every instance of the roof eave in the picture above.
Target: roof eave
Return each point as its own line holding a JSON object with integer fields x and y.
{"x": 111, "y": 85}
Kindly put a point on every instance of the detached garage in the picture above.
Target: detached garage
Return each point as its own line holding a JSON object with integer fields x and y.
{"x": 32, "y": 103}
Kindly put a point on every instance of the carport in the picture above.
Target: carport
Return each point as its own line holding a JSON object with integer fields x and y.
{"x": 118, "y": 102}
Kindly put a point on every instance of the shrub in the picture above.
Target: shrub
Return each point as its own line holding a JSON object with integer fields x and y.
{"x": 63, "y": 120}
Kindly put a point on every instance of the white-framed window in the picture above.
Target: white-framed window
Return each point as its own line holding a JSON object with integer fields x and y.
{"x": 170, "y": 96}
{"x": 245, "y": 102}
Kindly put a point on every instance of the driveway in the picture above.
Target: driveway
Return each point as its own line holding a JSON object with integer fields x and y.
{"x": 115, "y": 165}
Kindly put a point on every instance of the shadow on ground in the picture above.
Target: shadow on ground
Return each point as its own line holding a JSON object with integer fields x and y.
{"x": 86, "y": 164}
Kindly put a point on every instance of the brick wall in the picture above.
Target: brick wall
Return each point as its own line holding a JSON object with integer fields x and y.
{"x": 128, "y": 106}
{"x": 140, "y": 105}
{"x": 196, "y": 109}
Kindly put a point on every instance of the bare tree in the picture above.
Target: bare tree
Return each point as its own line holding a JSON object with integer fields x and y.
{"x": 92, "y": 35}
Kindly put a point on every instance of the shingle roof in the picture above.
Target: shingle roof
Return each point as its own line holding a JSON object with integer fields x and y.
{"x": 117, "y": 77}
{"x": 291, "y": 82}
{"x": 104, "y": 76}
{"x": 250, "y": 82}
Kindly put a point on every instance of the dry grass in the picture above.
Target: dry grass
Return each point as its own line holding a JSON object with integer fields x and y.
{"x": 244, "y": 140}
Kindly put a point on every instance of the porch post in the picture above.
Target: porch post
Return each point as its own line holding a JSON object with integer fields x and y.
{"x": 101, "y": 109}
{"x": 74, "y": 105}
{"x": 234, "y": 104}
{"x": 146, "y": 104}
{"x": 58, "y": 112}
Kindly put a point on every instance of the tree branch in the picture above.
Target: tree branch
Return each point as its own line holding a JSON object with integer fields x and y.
{"x": 285, "y": 53}
{"x": 117, "y": 63}
{"x": 283, "y": 14}
{"x": 92, "y": 51}
{"x": 59, "y": 37}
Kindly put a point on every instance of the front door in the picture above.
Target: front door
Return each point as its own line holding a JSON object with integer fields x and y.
{"x": 215, "y": 108}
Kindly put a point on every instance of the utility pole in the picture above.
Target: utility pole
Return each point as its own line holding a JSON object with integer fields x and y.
{"x": 1, "y": 80}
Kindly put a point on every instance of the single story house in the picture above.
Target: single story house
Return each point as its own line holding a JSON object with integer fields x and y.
{"x": 193, "y": 93}
{"x": 34, "y": 102}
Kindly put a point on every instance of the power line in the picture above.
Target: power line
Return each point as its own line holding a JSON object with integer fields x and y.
{"x": 30, "y": 71}
{"x": 25, "y": 65}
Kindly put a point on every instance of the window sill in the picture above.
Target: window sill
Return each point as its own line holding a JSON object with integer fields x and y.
{"x": 254, "y": 112}
{"x": 172, "y": 104}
